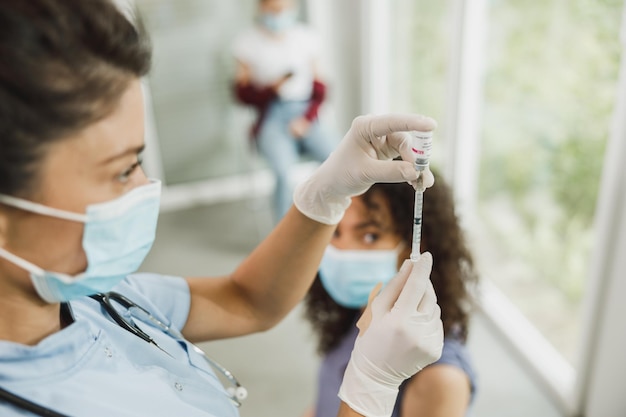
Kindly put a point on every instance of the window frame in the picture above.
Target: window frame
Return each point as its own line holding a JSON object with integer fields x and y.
{"x": 601, "y": 373}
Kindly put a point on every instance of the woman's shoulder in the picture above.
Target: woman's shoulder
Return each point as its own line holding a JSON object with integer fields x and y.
{"x": 448, "y": 384}
{"x": 165, "y": 296}
{"x": 455, "y": 357}
{"x": 455, "y": 352}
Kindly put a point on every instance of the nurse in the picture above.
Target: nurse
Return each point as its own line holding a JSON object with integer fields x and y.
{"x": 78, "y": 216}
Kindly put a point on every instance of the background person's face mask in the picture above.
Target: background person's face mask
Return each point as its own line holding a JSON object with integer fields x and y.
{"x": 278, "y": 22}
{"x": 350, "y": 275}
{"x": 117, "y": 237}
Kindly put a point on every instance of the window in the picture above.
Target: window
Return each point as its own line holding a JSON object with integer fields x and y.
{"x": 549, "y": 89}
{"x": 421, "y": 47}
{"x": 549, "y": 80}
{"x": 524, "y": 93}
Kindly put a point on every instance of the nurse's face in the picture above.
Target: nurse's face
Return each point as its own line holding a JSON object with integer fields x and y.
{"x": 98, "y": 164}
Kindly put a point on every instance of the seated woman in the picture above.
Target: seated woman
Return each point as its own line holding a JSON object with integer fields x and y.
{"x": 278, "y": 75}
{"x": 369, "y": 244}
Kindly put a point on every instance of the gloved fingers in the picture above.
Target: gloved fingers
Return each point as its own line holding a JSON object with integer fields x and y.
{"x": 389, "y": 171}
{"x": 426, "y": 326}
{"x": 384, "y": 150}
{"x": 402, "y": 143}
{"x": 416, "y": 285}
{"x": 390, "y": 293}
{"x": 429, "y": 300}
{"x": 427, "y": 180}
{"x": 381, "y": 125}
{"x": 427, "y": 322}
{"x": 366, "y": 317}
{"x": 435, "y": 314}
{"x": 435, "y": 335}
{"x": 431, "y": 338}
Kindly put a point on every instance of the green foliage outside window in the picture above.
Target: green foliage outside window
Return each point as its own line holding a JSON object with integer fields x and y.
{"x": 549, "y": 93}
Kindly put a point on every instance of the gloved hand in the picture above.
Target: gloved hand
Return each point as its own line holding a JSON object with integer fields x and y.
{"x": 362, "y": 158}
{"x": 400, "y": 333}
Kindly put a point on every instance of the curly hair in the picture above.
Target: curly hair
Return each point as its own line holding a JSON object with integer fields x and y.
{"x": 453, "y": 266}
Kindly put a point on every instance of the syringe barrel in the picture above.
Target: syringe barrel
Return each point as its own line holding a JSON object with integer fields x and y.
{"x": 422, "y": 144}
{"x": 417, "y": 225}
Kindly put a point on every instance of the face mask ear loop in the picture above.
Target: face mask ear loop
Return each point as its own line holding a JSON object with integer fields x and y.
{"x": 24, "y": 264}
{"x": 40, "y": 286}
{"x": 41, "y": 209}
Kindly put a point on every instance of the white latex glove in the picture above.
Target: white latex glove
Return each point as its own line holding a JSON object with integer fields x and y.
{"x": 400, "y": 333}
{"x": 362, "y": 158}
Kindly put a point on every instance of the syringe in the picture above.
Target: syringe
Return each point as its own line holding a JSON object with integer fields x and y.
{"x": 422, "y": 146}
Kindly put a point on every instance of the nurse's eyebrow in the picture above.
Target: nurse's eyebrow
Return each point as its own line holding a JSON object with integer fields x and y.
{"x": 131, "y": 151}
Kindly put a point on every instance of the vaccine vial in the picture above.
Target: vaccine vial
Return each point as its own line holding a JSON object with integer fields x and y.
{"x": 422, "y": 144}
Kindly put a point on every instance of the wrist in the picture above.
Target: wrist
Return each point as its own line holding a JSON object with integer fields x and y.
{"x": 366, "y": 395}
{"x": 317, "y": 201}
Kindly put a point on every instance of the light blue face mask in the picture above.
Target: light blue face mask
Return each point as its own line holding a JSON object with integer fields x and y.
{"x": 117, "y": 237}
{"x": 278, "y": 22}
{"x": 350, "y": 275}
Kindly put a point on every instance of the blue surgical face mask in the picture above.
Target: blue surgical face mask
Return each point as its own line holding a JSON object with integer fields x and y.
{"x": 117, "y": 237}
{"x": 350, "y": 275}
{"x": 278, "y": 22}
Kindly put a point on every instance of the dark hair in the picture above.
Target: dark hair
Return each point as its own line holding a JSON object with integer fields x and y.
{"x": 453, "y": 265}
{"x": 63, "y": 66}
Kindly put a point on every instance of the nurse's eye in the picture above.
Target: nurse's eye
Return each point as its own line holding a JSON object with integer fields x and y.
{"x": 124, "y": 177}
{"x": 370, "y": 238}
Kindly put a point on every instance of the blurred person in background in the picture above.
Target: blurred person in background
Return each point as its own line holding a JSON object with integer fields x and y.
{"x": 278, "y": 75}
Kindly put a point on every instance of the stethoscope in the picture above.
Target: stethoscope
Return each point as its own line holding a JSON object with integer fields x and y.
{"x": 236, "y": 392}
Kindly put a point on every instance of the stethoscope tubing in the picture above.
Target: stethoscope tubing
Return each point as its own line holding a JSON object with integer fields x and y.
{"x": 28, "y": 405}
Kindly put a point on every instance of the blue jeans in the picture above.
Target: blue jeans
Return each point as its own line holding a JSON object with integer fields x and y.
{"x": 282, "y": 151}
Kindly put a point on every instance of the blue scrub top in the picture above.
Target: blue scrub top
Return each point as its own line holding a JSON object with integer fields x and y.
{"x": 95, "y": 368}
